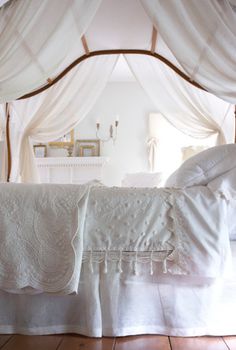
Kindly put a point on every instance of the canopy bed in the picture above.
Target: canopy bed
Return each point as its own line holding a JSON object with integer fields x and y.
{"x": 114, "y": 261}
{"x": 119, "y": 261}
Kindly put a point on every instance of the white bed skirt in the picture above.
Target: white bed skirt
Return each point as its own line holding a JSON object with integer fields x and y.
{"x": 117, "y": 304}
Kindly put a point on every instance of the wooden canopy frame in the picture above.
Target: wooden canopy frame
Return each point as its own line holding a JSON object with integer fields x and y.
{"x": 80, "y": 59}
{"x": 86, "y": 56}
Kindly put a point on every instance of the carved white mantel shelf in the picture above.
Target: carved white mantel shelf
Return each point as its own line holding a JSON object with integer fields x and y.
{"x": 76, "y": 170}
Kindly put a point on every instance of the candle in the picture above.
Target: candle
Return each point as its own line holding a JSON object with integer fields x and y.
{"x": 98, "y": 123}
{"x": 117, "y": 120}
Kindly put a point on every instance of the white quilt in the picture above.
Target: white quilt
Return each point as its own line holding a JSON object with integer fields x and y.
{"x": 188, "y": 225}
{"x": 41, "y": 240}
{"x": 46, "y": 231}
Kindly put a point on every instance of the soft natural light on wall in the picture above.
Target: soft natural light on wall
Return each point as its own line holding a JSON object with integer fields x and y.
{"x": 171, "y": 145}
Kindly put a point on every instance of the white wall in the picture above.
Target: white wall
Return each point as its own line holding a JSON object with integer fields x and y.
{"x": 129, "y": 154}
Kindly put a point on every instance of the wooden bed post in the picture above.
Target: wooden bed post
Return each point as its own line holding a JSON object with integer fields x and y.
{"x": 8, "y": 142}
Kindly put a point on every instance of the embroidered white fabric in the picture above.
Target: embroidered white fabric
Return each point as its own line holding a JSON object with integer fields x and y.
{"x": 204, "y": 167}
{"x": 41, "y": 238}
{"x": 54, "y": 228}
{"x": 135, "y": 258}
{"x": 176, "y": 222}
{"x": 115, "y": 304}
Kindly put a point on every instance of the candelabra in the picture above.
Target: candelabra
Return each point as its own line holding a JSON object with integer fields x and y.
{"x": 112, "y": 134}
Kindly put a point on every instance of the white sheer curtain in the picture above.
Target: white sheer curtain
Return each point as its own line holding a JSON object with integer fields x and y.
{"x": 2, "y": 121}
{"x": 55, "y": 112}
{"x": 153, "y": 142}
{"x": 194, "y": 112}
{"x": 35, "y": 38}
{"x": 202, "y": 36}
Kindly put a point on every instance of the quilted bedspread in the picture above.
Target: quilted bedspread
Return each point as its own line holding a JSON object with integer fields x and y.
{"x": 47, "y": 231}
{"x": 41, "y": 242}
{"x": 186, "y": 229}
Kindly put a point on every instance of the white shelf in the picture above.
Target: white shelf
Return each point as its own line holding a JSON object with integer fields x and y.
{"x": 76, "y": 170}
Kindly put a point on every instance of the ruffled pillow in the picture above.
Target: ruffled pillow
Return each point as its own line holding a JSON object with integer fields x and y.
{"x": 204, "y": 167}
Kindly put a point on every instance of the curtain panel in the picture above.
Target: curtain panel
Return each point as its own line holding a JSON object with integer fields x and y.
{"x": 202, "y": 36}
{"x": 195, "y": 112}
{"x": 36, "y": 38}
{"x": 192, "y": 111}
{"x": 53, "y": 113}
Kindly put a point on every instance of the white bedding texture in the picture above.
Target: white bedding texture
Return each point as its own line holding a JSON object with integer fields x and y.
{"x": 42, "y": 240}
{"x": 204, "y": 167}
{"x": 60, "y": 225}
{"x": 216, "y": 168}
{"x": 115, "y": 304}
{"x": 119, "y": 261}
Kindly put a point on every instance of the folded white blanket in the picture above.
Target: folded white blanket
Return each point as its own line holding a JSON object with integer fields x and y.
{"x": 190, "y": 225}
{"x": 202, "y": 239}
{"x": 41, "y": 241}
{"x": 128, "y": 219}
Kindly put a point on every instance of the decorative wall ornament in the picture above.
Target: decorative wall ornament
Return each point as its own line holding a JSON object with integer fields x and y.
{"x": 66, "y": 141}
{"x": 112, "y": 134}
{"x": 40, "y": 151}
{"x": 87, "y": 148}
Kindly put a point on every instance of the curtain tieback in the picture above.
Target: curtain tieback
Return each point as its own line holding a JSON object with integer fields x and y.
{"x": 152, "y": 142}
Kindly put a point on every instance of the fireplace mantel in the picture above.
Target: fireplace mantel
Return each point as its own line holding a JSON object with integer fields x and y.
{"x": 73, "y": 170}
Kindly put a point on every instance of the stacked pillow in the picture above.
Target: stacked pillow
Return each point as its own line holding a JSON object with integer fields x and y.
{"x": 204, "y": 167}
{"x": 216, "y": 168}
{"x": 142, "y": 180}
{"x": 190, "y": 151}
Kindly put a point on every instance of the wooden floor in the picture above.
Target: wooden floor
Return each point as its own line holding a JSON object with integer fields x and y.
{"x": 147, "y": 342}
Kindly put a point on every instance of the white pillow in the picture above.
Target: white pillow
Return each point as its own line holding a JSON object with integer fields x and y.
{"x": 204, "y": 167}
{"x": 141, "y": 180}
{"x": 190, "y": 151}
{"x": 225, "y": 186}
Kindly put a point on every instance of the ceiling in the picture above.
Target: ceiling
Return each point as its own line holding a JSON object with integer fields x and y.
{"x": 119, "y": 24}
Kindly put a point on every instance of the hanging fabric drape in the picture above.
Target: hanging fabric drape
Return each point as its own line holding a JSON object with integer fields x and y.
{"x": 202, "y": 37}
{"x": 191, "y": 110}
{"x": 153, "y": 142}
{"x": 35, "y": 39}
{"x": 55, "y": 112}
{"x": 152, "y": 152}
{"x": 2, "y": 122}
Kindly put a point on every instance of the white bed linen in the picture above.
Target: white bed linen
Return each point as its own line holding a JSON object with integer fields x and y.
{"x": 115, "y": 304}
{"x": 53, "y": 229}
{"x": 41, "y": 237}
{"x": 188, "y": 223}
{"x": 116, "y": 299}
